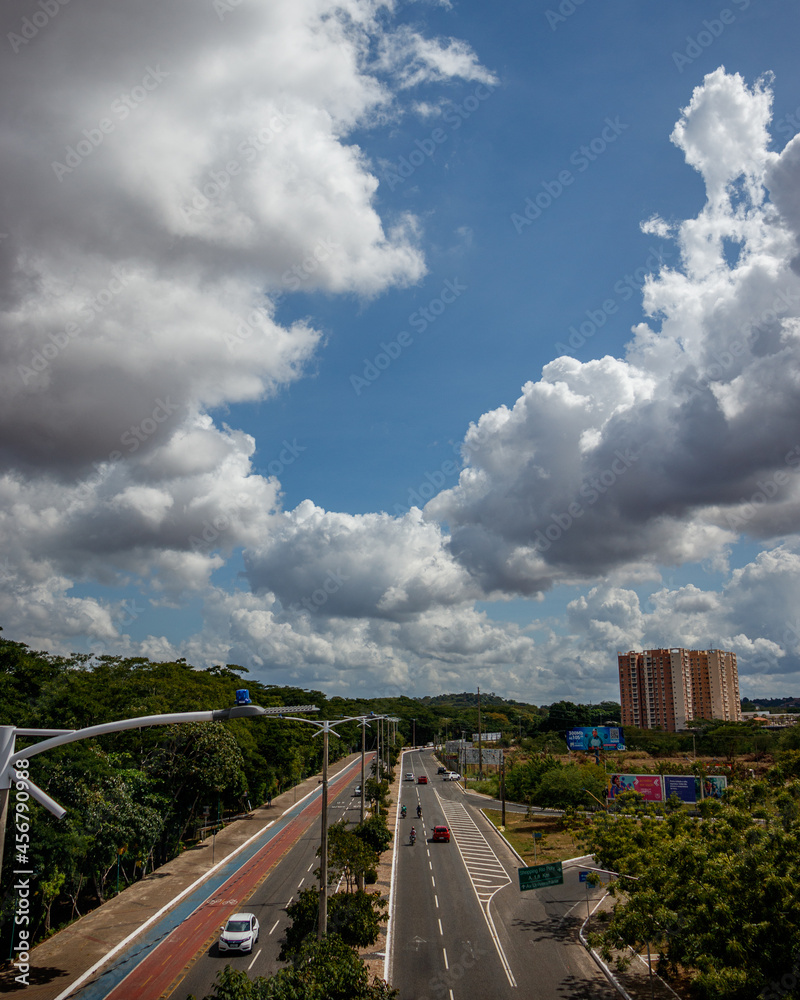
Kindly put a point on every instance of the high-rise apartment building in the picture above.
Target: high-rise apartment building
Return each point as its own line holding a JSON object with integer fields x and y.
{"x": 668, "y": 688}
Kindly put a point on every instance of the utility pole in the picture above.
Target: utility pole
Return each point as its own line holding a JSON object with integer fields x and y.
{"x": 480, "y": 753}
{"x": 502, "y": 788}
{"x": 363, "y": 758}
{"x": 322, "y": 923}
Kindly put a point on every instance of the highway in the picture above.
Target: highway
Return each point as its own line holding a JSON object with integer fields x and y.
{"x": 462, "y": 929}
{"x": 187, "y": 960}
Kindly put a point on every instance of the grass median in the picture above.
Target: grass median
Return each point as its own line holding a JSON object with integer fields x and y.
{"x": 557, "y": 842}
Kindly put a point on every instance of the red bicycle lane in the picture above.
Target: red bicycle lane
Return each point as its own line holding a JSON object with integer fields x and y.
{"x": 155, "y": 976}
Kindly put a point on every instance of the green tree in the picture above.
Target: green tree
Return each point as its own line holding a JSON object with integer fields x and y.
{"x": 349, "y": 856}
{"x": 574, "y": 785}
{"x": 352, "y": 916}
{"x": 716, "y": 895}
{"x": 375, "y": 832}
{"x": 322, "y": 970}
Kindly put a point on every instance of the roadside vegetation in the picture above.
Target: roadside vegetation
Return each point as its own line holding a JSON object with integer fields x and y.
{"x": 716, "y": 891}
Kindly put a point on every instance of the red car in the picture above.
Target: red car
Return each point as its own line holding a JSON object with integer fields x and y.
{"x": 422, "y": 779}
{"x": 441, "y": 833}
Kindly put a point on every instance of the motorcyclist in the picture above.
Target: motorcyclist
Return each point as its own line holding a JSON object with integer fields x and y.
{"x": 403, "y": 811}
{"x": 413, "y": 834}
{"x": 419, "y": 812}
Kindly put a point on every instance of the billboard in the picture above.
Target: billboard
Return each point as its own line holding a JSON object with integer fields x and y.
{"x": 494, "y": 757}
{"x": 682, "y": 785}
{"x": 713, "y": 786}
{"x": 647, "y": 785}
{"x": 487, "y": 737}
{"x": 654, "y": 788}
{"x": 596, "y": 738}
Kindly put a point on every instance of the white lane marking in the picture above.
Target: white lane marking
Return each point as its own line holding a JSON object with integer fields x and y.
{"x": 299, "y": 884}
{"x": 464, "y": 828}
{"x": 250, "y": 966}
{"x": 436, "y": 900}
{"x": 446, "y": 964}
{"x": 310, "y": 867}
{"x": 440, "y": 927}
{"x": 274, "y": 926}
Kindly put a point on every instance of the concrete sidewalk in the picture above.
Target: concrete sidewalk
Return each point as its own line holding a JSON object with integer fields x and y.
{"x": 62, "y": 959}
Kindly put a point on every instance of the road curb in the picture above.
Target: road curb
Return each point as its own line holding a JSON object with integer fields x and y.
{"x": 574, "y": 862}
{"x": 602, "y": 965}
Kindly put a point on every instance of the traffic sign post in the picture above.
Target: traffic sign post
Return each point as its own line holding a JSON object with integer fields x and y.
{"x": 537, "y": 835}
{"x": 540, "y": 876}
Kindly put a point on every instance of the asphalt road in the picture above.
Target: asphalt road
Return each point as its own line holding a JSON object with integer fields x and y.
{"x": 462, "y": 929}
{"x": 187, "y": 960}
{"x": 293, "y": 873}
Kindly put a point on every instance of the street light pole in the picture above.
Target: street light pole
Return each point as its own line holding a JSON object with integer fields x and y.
{"x": 10, "y": 757}
{"x": 322, "y": 924}
{"x": 325, "y": 727}
{"x": 363, "y": 758}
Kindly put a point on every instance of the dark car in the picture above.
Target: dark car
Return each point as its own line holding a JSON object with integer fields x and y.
{"x": 441, "y": 834}
{"x": 441, "y": 770}
{"x": 422, "y": 779}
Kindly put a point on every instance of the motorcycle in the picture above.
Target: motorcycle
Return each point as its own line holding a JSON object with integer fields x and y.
{"x": 419, "y": 812}
{"x": 413, "y": 836}
{"x": 403, "y": 812}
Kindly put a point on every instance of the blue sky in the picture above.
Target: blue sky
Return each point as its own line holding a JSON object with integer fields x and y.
{"x": 316, "y": 424}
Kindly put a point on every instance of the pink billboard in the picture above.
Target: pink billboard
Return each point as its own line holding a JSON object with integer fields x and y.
{"x": 649, "y": 786}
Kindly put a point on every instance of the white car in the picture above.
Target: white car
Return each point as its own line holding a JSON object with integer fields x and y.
{"x": 239, "y": 934}
{"x": 452, "y": 776}
{"x": 409, "y": 775}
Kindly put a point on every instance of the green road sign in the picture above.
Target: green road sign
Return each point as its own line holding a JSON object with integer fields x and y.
{"x": 540, "y": 876}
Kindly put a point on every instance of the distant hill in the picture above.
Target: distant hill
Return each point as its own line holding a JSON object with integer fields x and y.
{"x": 771, "y": 704}
{"x": 469, "y": 699}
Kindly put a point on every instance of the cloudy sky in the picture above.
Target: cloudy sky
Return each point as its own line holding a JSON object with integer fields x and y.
{"x": 399, "y": 348}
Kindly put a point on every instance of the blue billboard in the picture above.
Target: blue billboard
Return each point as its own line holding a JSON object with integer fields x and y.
{"x": 682, "y": 785}
{"x": 591, "y": 738}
